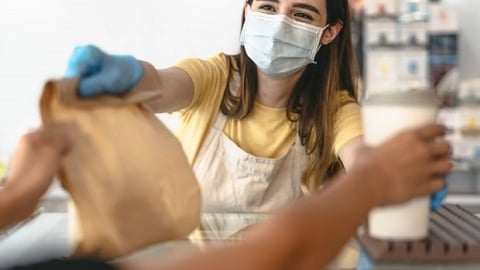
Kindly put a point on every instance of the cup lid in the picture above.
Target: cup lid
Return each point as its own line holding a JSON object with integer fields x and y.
{"x": 414, "y": 97}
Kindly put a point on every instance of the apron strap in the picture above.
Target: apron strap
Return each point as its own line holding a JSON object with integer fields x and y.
{"x": 220, "y": 121}
{"x": 298, "y": 141}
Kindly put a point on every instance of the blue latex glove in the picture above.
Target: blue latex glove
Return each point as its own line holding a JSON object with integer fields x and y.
{"x": 364, "y": 261}
{"x": 101, "y": 73}
{"x": 437, "y": 198}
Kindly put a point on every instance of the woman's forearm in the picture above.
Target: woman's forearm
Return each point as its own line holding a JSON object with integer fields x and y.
{"x": 165, "y": 90}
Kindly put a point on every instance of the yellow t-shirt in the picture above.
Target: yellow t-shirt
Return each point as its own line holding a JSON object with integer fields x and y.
{"x": 265, "y": 132}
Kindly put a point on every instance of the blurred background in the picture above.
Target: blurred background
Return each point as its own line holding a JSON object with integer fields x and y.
{"x": 401, "y": 44}
{"x": 407, "y": 44}
{"x": 38, "y": 37}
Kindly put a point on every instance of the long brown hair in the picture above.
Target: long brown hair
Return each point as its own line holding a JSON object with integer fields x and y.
{"x": 313, "y": 103}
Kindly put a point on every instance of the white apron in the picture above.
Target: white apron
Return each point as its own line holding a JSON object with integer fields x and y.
{"x": 232, "y": 180}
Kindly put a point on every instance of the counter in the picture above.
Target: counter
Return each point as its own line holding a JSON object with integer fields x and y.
{"x": 47, "y": 237}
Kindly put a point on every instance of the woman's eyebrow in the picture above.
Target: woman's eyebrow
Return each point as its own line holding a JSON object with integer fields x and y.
{"x": 305, "y": 6}
{"x": 297, "y": 5}
{"x": 274, "y": 1}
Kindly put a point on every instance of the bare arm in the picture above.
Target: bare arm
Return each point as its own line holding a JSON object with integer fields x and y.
{"x": 9, "y": 214}
{"x": 173, "y": 87}
{"x": 348, "y": 122}
{"x": 32, "y": 169}
{"x": 349, "y": 151}
{"x": 309, "y": 233}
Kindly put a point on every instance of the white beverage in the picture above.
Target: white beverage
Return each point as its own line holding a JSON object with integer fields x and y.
{"x": 384, "y": 117}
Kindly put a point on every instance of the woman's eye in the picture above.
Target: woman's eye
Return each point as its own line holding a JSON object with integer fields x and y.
{"x": 303, "y": 16}
{"x": 267, "y": 9}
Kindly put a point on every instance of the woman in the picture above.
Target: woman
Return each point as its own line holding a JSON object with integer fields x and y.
{"x": 260, "y": 126}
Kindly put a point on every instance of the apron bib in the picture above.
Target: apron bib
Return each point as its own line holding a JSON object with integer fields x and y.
{"x": 233, "y": 180}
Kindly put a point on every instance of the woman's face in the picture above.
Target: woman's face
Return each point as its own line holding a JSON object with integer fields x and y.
{"x": 313, "y": 12}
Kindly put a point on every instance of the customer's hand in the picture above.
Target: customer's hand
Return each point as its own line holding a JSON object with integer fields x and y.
{"x": 413, "y": 163}
{"x": 37, "y": 157}
{"x": 102, "y": 73}
{"x": 33, "y": 165}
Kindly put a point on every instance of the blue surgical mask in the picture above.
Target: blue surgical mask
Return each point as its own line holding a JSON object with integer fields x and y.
{"x": 279, "y": 45}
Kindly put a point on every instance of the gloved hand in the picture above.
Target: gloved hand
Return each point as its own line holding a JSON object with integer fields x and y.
{"x": 437, "y": 198}
{"x": 101, "y": 73}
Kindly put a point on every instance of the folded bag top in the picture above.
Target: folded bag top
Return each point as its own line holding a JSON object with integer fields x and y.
{"x": 129, "y": 180}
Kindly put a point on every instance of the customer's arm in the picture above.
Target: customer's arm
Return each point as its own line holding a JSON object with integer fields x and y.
{"x": 309, "y": 233}
{"x": 33, "y": 166}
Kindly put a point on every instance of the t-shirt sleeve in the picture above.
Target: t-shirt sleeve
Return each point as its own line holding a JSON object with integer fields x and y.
{"x": 348, "y": 123}
{"x": 209, "y": 78}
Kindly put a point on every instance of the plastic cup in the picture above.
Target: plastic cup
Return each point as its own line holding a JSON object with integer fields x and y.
{"x": 385, "y": 115}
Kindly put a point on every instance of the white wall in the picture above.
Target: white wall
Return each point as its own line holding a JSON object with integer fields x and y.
{"x": 38, "y": 36}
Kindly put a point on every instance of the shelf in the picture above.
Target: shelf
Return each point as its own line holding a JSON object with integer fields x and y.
{"x": 381, "y": 17}
{"x": 397, "y": 46}
{"x": 463, "y": 199}
{"x": 406, "y": 18}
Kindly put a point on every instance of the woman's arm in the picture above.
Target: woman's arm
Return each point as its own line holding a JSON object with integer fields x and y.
{"x": 348, "y": 132}
{"x": 173, "y": 86}
{"x": 309, "y": 233}
{"x": 33, "y": 166}
{"x": 349, "y": 151}
{"x": 189, "y": 82}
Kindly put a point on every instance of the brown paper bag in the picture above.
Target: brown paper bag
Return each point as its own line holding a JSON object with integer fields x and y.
{"x": 127, "y": 175}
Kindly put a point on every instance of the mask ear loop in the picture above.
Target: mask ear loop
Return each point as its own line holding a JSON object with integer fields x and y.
{"x": 246, "y": 9}
{"x": 319, "y": 43}
{"x": 248, "y": 6}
